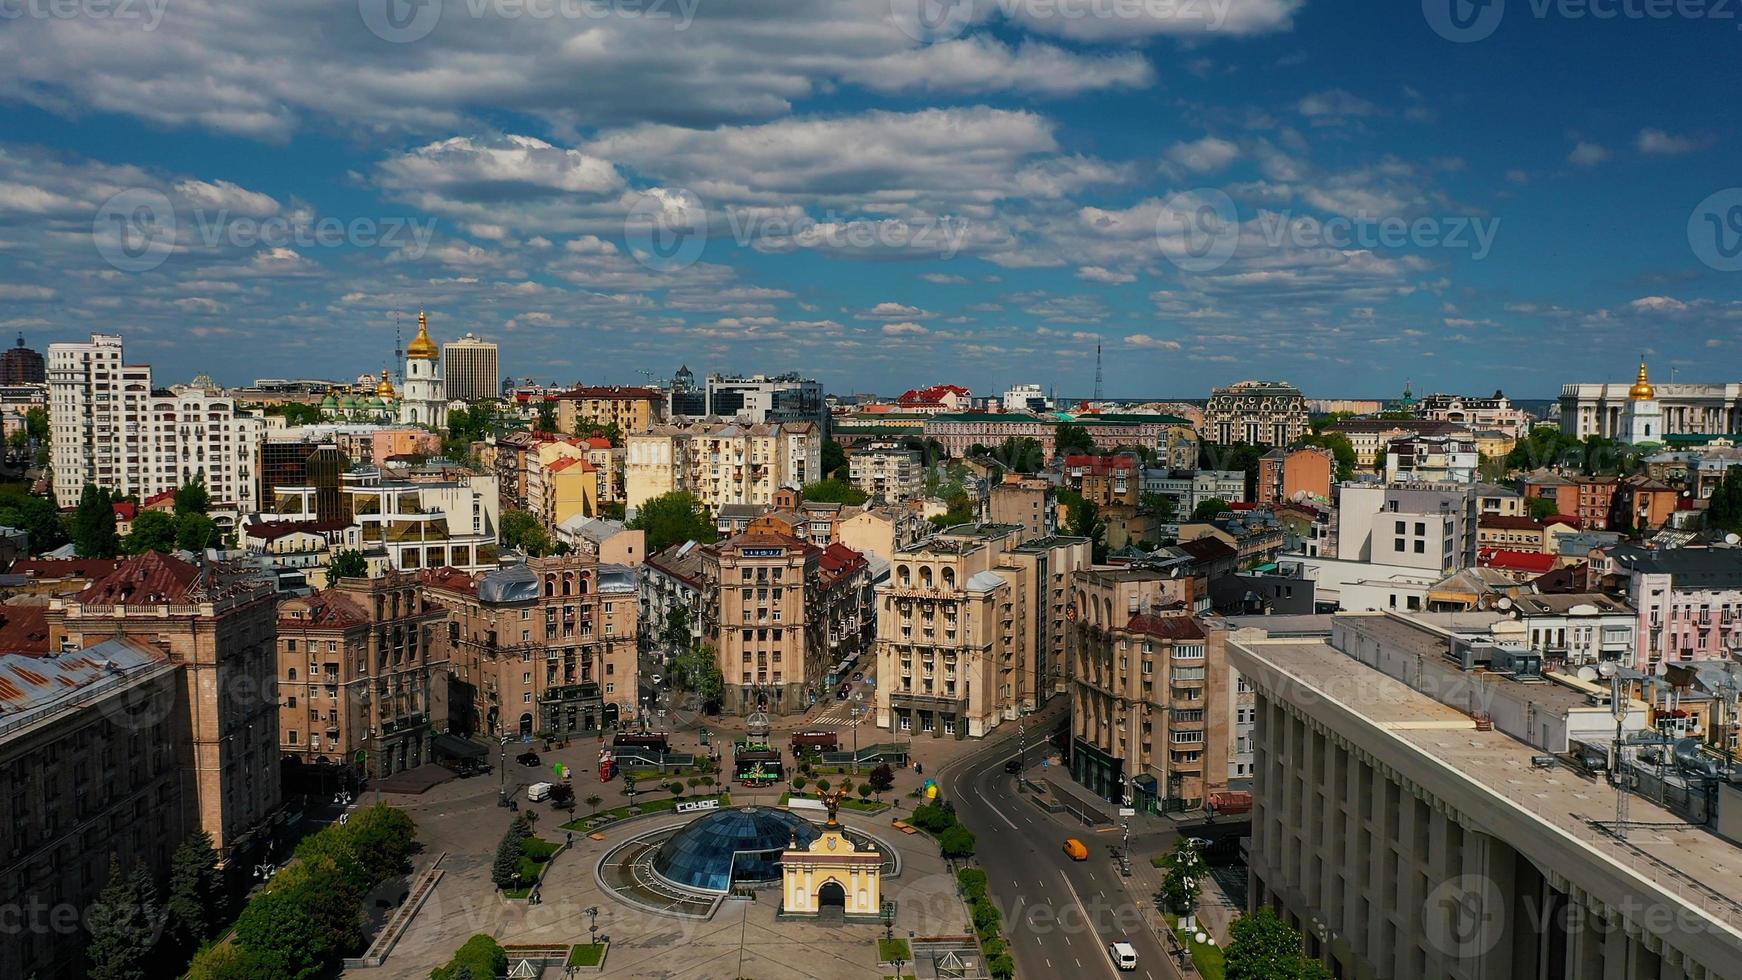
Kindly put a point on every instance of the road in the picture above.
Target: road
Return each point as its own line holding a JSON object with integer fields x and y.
{"x": 1060, "y": 914}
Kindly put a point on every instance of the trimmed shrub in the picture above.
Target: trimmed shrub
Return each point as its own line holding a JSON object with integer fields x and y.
{"x": 482, "y": 955}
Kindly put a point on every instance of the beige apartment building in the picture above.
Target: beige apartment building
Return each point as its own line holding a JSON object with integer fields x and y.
{"x": 781, "y": 613}
{"x": 363, "y": 678}
{"x": 722, "y": 462}
{"x": 630, "y": 409}
{"x": 1025, "y": 500}
{"x": 968, "y": 629}
{"x": 882, "y": 531}
{"x": 543, "y": 647}
{"x": 1148, "y": 702}
{"x": 887, "y": 472}
{"x": 217, "y": 623}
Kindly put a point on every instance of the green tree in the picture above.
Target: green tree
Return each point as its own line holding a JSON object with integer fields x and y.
{"x": 196, "y": 532}
{"x": 295, "y": 413}
{"x": 1161, "y": 506}
{"x": 834, "y": 491}
{"x": 1320, "y": 423}
{"x": 348, "y": 563}
{"x": 698, "y": 671}
{"x": 834, "y": 460}
{"x": 674, "y": 630}
{"x": 481, "y": 956}
{"x": 123, "y": 925}
{"x": 507, "y": 862}
{"x": 611, "y": 432}
{"x": 956, "y": 841}
{"x": 1540, "y": 508}
{"x": 1240, "y": 456}
{"x": 36, "y": 423}
{"x": 1724, "y": 510}
{"x": 1069, "y": 437}
{"x": 1022, "y": 454}
{"x": 192, "y": 497}
{"x": 1185, "y": 874}
{"x": 36, "y": 516}
{"x": 17, "y": 441}
{"x": 231, "y": 962}
{"x": 197, "y": 897}
{"x": 547, "y": 416}
{"x": 94, "y": 524}
{"x": 1208, "y": 509}
{"x": 882, "y": 778}
{"x": 521, "y": 529}
{"x": 1263, "y": 947}
{"x": 1083, "y": 520}
{"x": 295, "y": 923}
{"x": 153, "y": 530}
{"x": 674, "y": 518}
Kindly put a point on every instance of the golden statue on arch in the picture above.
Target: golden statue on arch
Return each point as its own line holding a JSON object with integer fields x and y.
{"x": 832, "y": 800}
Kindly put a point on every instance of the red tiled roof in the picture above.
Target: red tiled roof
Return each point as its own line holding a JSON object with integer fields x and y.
{"x": 1166, "y": 627}
{"x": 1518, "y": 561}
{"x": 125, "y": 509}
{"x": 327, "y": 609}
{"x": 151, "y": 502}
{"x": 1506, "y": 523}
{"x": 615, "y": 392}
{"x": 765, "y": 539}
{"x": 273, "y": 530}
{"x": 24, "y": 628}
{"x": 838, "y": 562}
{"x": 449, "y": 578}
{"x": 151, "y": 577}
{"x": 90, "y": 568}
{"x": 598, "y": 442}
{"x": 930, "y": 396}
{"x": 1560, "y": 519}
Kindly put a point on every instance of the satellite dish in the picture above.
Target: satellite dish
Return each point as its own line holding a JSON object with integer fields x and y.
{"x": 1732, "y": 539}
{"x": 1504, "y": 602}
{"x": 1587, "y": 674}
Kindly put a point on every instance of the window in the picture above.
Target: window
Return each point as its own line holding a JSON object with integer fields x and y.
{"x": 292, "y": 703}
{"x": 526, "y": 698}
{"x": 610, "y": 689}
{"x": 293, "y": 736}
{"x": 290, "y": 645}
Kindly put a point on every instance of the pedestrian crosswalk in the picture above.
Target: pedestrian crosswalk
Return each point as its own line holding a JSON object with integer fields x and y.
{"x": 836, "y": 716}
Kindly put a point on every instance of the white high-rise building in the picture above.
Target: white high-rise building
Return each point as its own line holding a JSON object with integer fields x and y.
{"x": 110, "y": 427}
{"x": 471, "y": 366}
{"x": 424, "y": 401}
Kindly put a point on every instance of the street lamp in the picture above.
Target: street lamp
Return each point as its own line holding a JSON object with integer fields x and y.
{"x": 593, "y": 924}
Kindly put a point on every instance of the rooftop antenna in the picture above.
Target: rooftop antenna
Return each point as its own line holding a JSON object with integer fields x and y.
{"x": 1618, "y": 774}
{"x": 1097, "y": 396}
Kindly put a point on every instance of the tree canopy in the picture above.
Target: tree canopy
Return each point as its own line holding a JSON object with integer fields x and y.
{"x": 1069, "y": 437}
{"x": 523, "y": 530}
{"x": 36, "y": 516}
{"x": 93, "y": 524}
{"x": 834, "y": 460}
{"x": 192, "y": 497}
{"x": 674, "y": 518}
{"x": 1208, "y": 509}
{"x": 834, "y": 491}
{"x": 1342, "y": 450}
{"x": 153, "y": 530}
{"x": 349, "y": 563}
{"x": 1263, "y": 947}
{"x": 1725, "y": 510}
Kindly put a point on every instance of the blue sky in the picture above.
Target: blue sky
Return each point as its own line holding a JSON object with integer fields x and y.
{"x": 1332, "y": 193}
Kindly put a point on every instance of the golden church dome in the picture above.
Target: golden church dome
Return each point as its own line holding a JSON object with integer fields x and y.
{"x": 385, "y": 388}
{"x": 421, "y": 346}
{"x": 1642, "y": 389}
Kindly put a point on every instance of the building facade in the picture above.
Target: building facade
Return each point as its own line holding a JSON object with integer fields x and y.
{"x": 722, "y": 463}
{"x": 1496, "y": 413}
{"x": 471, "y": 371}
{"x": 887, "y": 473}
{"x": 425, "y": 399}
{"x": 629, "y": 409}
{"x": 1258, "y": 413}
{"x": 545, "y": 647}
{"x": 1697, "y": 409}
{"x": 110, "y": 427}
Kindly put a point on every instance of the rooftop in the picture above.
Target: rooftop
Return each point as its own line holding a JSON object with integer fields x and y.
{"x": 1566, "y": 814}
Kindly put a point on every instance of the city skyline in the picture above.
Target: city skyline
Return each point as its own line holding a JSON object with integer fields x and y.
{"x": 949, "y": 202}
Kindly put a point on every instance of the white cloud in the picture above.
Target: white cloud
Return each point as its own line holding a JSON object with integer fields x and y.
{"x": 1658, "y": 304}
{"x": 1659, "y": 143}
{"x": 1335, "y": 104}
{"x": 904, "y": 329}
{"x": 1147, "y": 342}
{"x": 1094, "y": 273}
{"x": 1204, "y": 156}
{"x": 20, "y": 291}
{"x": 1587, "y": 154}
{"x": 893, "y": 311}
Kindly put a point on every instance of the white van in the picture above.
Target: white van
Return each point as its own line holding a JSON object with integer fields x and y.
{"x": 538, "y": 791}
{"x": 1124, "y": 955}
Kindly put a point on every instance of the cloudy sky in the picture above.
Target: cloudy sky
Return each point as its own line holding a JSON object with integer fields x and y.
{"x": 882, "y": 193}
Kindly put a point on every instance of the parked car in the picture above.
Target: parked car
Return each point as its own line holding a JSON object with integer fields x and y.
{"x": 528, "y": 759}
{"x": 845, "y": 692}
{"x": 1124, "y": 955}
{"x": 1013, "y": 767}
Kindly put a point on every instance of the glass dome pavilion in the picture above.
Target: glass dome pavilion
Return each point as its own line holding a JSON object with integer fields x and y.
{"x": 729, "y": 846}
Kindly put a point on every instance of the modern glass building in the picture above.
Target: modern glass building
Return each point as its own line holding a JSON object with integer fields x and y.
{"x": 731, "y": 846}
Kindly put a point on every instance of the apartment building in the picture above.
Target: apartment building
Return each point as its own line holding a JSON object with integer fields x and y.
{"x": 1496, "y": 413}
{"x": 1427, "y": 526}
{"x": 217, "y": 624}
{"x": 362, "y": 675}
{"x": 1296, "y": 474}
{"x": 1028, "y": 501}
{"x": 968, "y": 629}
{"x": 761, "y": 399}
{"x": 92, "y": 765}
{"x": 1189, "y": 488}
{"x": 1369, "y": 437}
{"x": 471, "y": 371}
{"x": 630, "y": 409}
{"x": 722, "y": 462}
{"x": 672, "y": 580}
{"x": 548, "y": 646}
{"x": 1407, "y": 833}
{"x": 1258, "y": 413}
{"x": 1169, "y": 434}
{"x": 759, "y": 606}
{"x": 1689, "y": 602}
{"x": 412, "y": 525}
{"x": 1138, "y": 664}
{"x": 1432, "y": 459}
{"x": 887, "y": 472}
{"x": 882, "y": 531}
{"x": 109, "y": 426}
